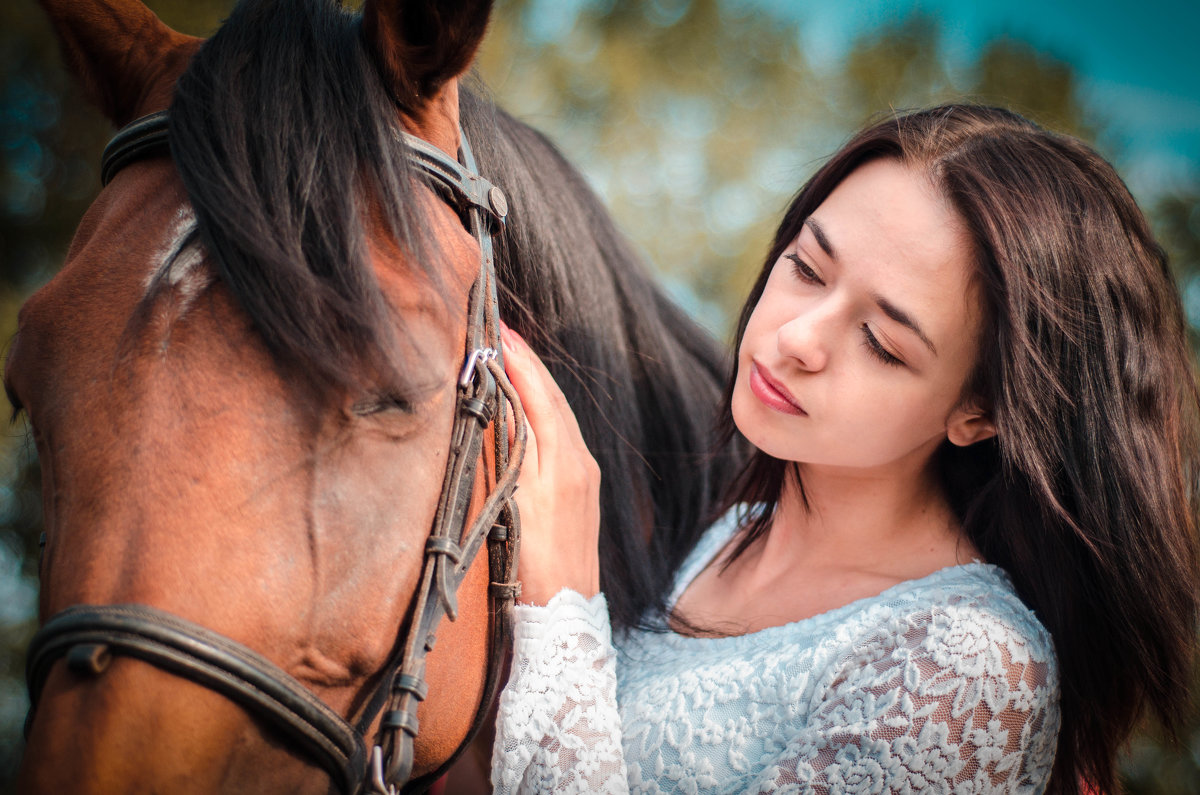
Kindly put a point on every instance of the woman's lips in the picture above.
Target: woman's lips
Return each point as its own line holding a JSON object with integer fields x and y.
{"x": 771, "y": 392}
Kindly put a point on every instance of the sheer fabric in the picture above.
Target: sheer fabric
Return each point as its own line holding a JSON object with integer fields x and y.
{"x": 942, "y": 684}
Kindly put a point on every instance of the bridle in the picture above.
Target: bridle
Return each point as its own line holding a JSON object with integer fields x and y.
{"x": 88, "y": 636}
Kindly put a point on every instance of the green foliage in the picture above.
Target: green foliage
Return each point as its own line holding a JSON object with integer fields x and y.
{"x": 1012, "y": 73}
{"x": 696, "y": 120}
{"x": 48, "y": 172}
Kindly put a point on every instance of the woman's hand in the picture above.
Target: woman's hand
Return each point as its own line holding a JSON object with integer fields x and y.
{"x": 558, "y": 491}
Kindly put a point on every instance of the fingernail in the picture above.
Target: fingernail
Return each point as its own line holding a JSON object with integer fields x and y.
{"x": 509, "y": 338}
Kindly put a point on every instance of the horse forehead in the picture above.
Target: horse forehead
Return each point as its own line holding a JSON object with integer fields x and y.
{"x": 426, "y": 295}
{"x": 177, "y": 263}
{"x": 86, "y": 306}
{"x": 132, "y": 232}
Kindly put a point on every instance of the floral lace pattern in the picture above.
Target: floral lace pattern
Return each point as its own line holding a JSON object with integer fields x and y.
{"x": 943, "y": 684}
{"x": 558, "y": 728}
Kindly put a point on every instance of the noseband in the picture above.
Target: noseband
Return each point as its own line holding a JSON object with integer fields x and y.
{"x": 89, "y": 636}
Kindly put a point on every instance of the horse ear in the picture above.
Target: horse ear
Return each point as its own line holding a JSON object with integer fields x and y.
{"x": 420, "y": 45}
{"x": 123, "y": 56}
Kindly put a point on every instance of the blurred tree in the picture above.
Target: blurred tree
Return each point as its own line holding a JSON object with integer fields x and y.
{"x": 894, "y": 68}
{"x": 1012, "y": 73}
{"x": 1177, "y": 225}
{"x": 696, "y": 120}
{"x": 48, "y": 174}
{"x": 682, "y": 114}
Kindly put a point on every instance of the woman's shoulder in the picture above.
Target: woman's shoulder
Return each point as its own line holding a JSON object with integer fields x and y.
{"x": 982, "y": 595}
{"x": 968, "y": 618}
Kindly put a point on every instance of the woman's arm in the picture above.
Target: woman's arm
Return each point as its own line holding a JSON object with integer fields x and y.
{"x": 558, "y": 730}
{"x": 558, "y": 492}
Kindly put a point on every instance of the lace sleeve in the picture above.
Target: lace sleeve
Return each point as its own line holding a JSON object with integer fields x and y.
{"x": 558, "y": 729}
{"x": 961, "y": 702}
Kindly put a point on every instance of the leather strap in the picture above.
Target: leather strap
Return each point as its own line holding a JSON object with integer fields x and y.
{"x": 145, "y": 137}
{"x": 206, "y": 658}
{"x": 485, "y": 207}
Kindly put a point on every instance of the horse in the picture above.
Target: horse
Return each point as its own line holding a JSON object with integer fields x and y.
{"x": 243, "y": 383}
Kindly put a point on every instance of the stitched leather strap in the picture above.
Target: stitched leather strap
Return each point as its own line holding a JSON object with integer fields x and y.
{"x": 139, "y": 139}
{"x": 202, "y": 656}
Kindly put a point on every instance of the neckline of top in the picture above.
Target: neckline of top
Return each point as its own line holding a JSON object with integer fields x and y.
{"x": 715, "y": 538}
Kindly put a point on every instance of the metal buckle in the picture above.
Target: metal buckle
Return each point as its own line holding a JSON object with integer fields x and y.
{"x": 381, "y": 787}
{"x": 464, "y": 379}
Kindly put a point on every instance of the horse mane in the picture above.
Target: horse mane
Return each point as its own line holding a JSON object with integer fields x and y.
{"x": 643, "y": 378}
{"x": 280, "y": 129}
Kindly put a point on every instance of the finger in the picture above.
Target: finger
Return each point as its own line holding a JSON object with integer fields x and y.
{"x": 530, "y": 464}
{"x": 553, "y": 411}
{"x": 517, "y": 368}
{"x": 536, "y": 389}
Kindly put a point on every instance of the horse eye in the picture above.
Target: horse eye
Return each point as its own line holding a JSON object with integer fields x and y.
{"x": 378, "y": 403}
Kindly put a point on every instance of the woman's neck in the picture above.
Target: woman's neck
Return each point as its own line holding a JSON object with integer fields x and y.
{"x": 887, "y": 523}
{"x": 851, "y": 536}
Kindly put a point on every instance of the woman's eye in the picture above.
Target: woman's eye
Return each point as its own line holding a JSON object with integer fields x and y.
{"x": 802, "y": 271}
{"x": 877, "y": 350}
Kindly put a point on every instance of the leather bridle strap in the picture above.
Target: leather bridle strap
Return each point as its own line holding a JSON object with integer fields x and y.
{"x": 139, "y": 139}
{"x": 89, "y": 636}
{"x": 450, "y": 549}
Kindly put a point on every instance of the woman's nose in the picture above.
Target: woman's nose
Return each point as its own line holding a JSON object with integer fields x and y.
{"x": 806, "y": 339}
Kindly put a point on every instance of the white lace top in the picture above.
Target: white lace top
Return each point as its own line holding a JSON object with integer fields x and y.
{"x": 947, "y": 683}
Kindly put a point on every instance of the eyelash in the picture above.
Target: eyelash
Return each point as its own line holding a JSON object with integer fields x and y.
{"x": 878, "y": 351}
{"x": 802, "y": 271}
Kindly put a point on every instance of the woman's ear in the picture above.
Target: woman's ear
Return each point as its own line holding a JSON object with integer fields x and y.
{"x": 969, "y": 424}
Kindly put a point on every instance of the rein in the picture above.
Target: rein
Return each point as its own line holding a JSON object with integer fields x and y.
{"x": 89, "y": 636}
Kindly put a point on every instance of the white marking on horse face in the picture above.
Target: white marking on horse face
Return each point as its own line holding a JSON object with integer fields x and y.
{"x": 180, "y": 263}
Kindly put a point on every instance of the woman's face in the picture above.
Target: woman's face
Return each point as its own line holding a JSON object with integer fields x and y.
{"x": 860, "y": 346}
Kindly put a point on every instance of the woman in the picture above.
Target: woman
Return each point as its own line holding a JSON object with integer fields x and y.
{"x": 962, "y": 556}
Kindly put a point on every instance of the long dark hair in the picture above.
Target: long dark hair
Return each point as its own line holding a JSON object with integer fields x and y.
{"x": 281, "y": 129}
{"x": 1088, "y": 494}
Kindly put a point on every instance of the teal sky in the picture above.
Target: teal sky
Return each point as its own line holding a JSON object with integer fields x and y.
{"x": 1138, "y": 62}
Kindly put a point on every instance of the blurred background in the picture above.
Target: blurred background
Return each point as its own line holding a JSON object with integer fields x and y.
{"x": 695, "y": 120}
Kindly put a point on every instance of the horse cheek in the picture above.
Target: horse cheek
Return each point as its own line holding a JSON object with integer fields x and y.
{"x": 456, "y": 669}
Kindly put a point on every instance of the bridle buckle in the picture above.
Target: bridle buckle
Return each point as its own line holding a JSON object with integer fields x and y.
{"x": 381, "y": 787}
{"x": 473, "y": 358}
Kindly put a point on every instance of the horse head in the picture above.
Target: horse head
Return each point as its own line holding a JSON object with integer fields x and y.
{"x": 242, "y": 386}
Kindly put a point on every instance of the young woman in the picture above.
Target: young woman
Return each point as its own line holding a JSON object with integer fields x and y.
{"x": 962, "y": 556}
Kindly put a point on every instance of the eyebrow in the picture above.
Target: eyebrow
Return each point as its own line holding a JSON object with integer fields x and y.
{"x": 822, "y": 239}
{"x": 904, "y": 319}
{"x": 891, "y": 310}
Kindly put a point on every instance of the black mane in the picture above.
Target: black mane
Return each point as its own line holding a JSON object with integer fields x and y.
{"x": 280, "y": 124}
{"x": 279, "y": 127}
